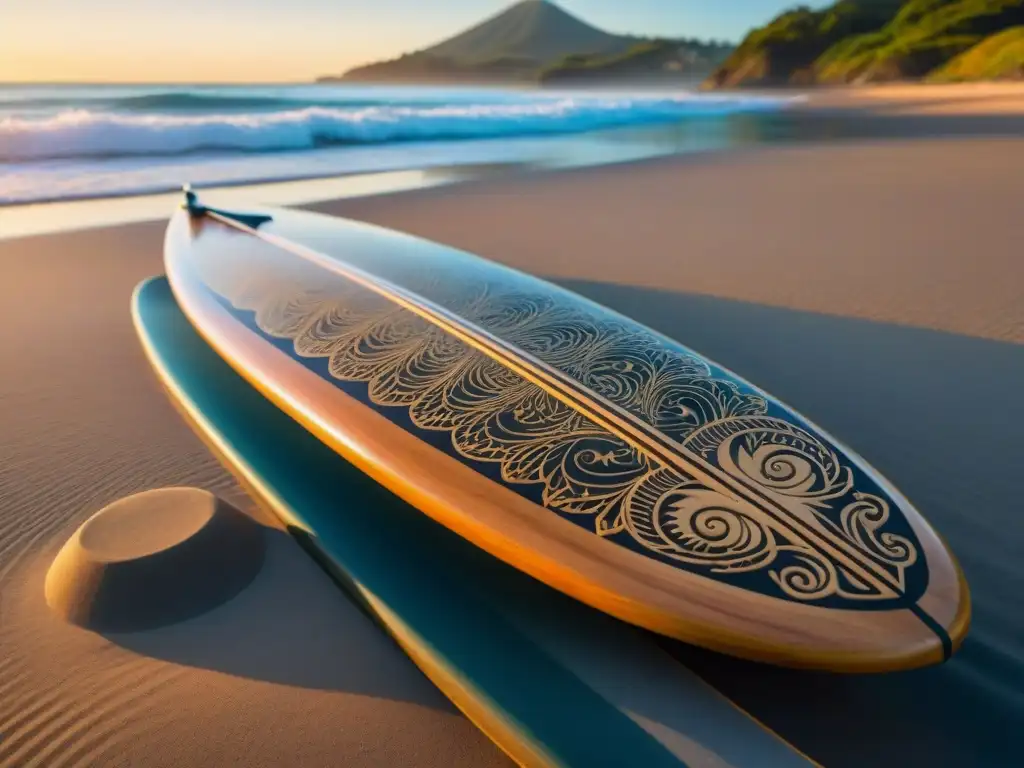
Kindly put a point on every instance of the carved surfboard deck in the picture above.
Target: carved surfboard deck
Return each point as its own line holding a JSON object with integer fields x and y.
{"x": 584, "y": 449}
{"x": 551, "y": 681}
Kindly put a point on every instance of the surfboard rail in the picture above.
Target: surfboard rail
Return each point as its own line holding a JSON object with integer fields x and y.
{"x": 723, "y": 519}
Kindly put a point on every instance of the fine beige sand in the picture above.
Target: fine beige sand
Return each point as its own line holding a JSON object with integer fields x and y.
{"x": 940, "y": 99}
{"x": 289, "y": 672}
{"x": 878, "y": 287}
{"x": 924, "y": 233}
{"x": 154, "y": 559}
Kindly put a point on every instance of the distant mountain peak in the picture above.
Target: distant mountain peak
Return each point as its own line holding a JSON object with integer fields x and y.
{"x": 519, "y": 43}
{"x": 535, "y": 30}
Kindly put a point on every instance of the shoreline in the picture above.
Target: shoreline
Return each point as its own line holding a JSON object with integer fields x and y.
{"x": 828, "y": 115}
{"x": 227, "y": 185}
{"x": 31, "y": 219}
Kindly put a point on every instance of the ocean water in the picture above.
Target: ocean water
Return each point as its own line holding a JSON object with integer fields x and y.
{"x": 69, "y": 142}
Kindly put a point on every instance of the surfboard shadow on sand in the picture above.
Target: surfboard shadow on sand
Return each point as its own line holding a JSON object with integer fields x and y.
{"x": 291, "y": 626}
{"x": 939, "y": 414}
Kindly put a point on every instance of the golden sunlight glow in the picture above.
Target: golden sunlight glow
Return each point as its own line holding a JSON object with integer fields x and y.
{"x": 36, "y": 46}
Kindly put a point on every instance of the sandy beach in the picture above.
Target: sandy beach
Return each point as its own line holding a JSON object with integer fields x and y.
{"x": 876, "y": 286}
{"x": 983, "y": 98}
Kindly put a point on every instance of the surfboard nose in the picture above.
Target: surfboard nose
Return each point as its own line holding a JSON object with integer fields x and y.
{"x": 196, "y": 209}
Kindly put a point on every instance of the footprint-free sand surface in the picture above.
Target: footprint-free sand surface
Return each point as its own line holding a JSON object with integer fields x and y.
{"x": 877, "y": 287}
{"x": 287, "y": 673}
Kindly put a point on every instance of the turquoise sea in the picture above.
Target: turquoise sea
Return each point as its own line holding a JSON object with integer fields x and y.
{"x": 60, "y": 142}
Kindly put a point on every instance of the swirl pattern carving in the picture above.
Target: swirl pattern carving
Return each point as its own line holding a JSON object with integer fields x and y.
{"x": 747, "y": 494}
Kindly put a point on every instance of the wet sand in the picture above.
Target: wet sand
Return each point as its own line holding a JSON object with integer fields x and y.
{"x": 876, "y": 287}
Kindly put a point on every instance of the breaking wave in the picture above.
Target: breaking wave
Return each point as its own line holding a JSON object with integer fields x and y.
{"x": 168, "y": 124}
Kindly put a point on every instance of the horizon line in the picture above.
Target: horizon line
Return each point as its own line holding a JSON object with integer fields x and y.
{"x": 160, "y": 82}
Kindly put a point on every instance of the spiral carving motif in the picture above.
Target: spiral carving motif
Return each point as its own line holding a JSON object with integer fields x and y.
{"x": 862, "y": 522}
{"x": 806, "y": 575}
{"x": 768, "y": 503}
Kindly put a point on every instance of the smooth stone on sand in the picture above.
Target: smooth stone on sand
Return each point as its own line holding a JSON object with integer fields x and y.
{"x": 153, "y": 559}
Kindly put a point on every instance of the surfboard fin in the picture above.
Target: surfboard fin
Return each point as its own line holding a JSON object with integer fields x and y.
{"x": 195, "y": 208}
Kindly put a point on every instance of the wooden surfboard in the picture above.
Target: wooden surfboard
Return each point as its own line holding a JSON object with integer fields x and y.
{"x": 552, "y": 682}
{"x": 582, "y": 448}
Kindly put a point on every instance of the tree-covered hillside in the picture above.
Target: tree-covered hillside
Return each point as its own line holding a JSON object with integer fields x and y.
{"x": 878, "y": 40}
{"x": 644, "y": 59}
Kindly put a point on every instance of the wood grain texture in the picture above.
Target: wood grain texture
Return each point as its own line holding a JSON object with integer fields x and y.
{"x": 623, "y": 582}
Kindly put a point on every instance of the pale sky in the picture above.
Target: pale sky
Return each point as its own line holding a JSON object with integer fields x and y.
{"x": 291, "y": 40}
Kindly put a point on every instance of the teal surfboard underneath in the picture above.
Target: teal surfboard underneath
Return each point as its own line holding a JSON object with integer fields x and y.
{"x": 552, "y": 682}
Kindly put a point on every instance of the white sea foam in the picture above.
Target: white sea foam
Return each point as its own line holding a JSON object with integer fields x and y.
{"x": 62, "y": 142}
{"x": 88, "y": 133}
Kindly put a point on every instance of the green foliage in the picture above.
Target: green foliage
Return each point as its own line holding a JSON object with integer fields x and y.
{"x": 644, "y": 56}
{"x": 869, "y": 41}
{"x": 923, "y": 35}
{"x": 997, "y": 57}
{"x": 791, "y": 44}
